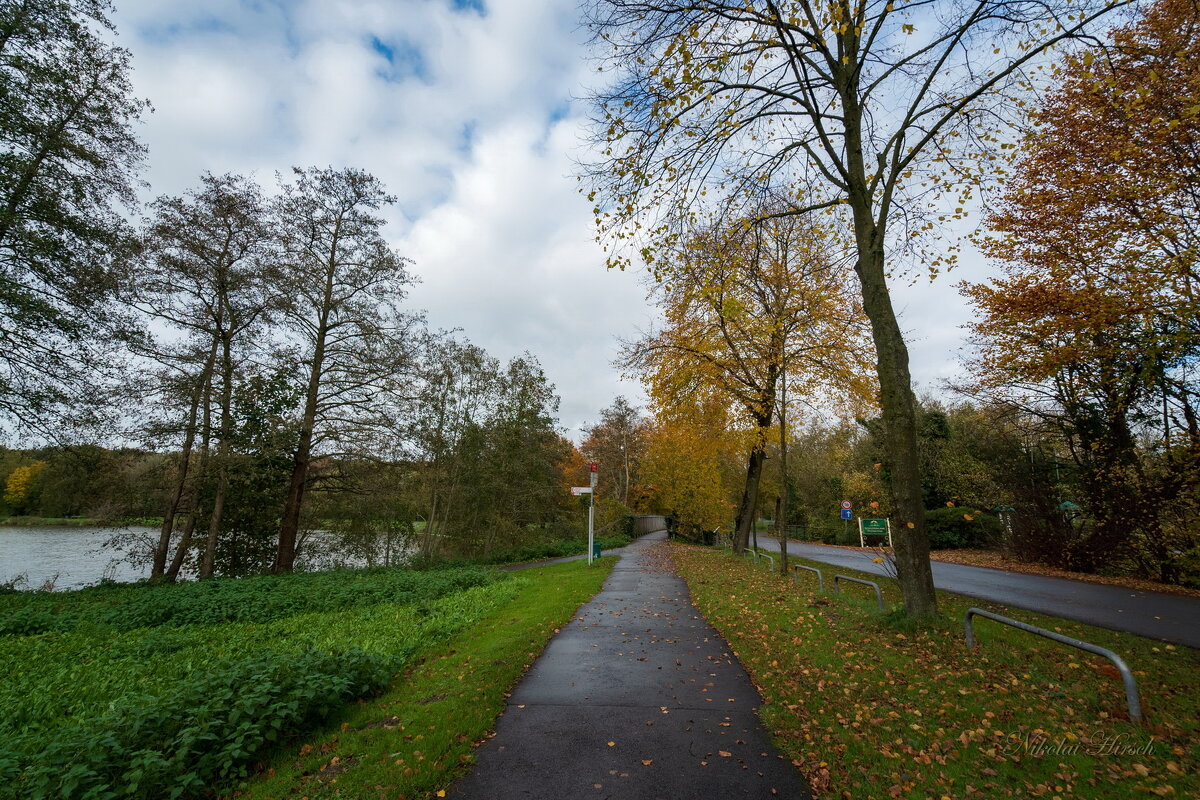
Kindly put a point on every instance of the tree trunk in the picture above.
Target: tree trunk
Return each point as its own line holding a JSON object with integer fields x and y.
{"x": 285, "y": 557}
{"x": 214, "y": 519}
{"x": 746, "y": 508}
{"x": 189, "y": 530}
{"x": 781, "y": 506}
{"x": 903, "y": 471}
{"x": 159, "y": 568}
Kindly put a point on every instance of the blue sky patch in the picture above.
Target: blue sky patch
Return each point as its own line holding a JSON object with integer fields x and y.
{"x": 467, "y": 136}
{"x": 202, "y": 26}
{"x": 470, "y": 5}
{"x": 404, "y": 60}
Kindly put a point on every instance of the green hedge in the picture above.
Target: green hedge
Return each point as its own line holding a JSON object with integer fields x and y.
{"x": 949, "y": 528}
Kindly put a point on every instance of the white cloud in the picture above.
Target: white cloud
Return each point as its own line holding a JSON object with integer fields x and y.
{"x": 465, "y": 117}
{"x": 468, "y": 119}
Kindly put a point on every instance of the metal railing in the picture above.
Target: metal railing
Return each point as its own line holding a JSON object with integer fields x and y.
{"x": 873, "y": 584}
{"x": 820, "y": 577}
{"x": 1132, "y": 700}
{"x": 757, "y": 555}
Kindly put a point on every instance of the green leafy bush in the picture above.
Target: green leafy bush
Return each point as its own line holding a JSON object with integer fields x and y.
{"x": 174, "y": 711}
{"x": 950, "y": 528}
{"x": 206, "y": 731}
{"x": 31, "y": 621}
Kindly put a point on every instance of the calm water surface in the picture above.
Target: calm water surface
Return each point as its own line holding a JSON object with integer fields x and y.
{"x": 74, "y": 555}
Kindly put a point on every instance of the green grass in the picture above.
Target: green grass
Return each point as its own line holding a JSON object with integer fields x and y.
{"x": 417, "y": 737}
{"x": 146, "y": 692}
{"x": 50, "y": 522}
{"x": 873, "y": 705}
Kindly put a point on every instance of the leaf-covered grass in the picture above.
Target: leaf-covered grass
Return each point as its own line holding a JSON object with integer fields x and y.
{"x": 872, "y": 705}
{"x": 107, "y": 709}
{"x": 418, "y": 737}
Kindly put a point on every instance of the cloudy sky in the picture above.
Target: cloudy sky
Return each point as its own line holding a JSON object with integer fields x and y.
{"x": 466, "y": 110}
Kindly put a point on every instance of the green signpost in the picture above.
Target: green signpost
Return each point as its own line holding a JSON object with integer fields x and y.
{"x": 873, "y": 527}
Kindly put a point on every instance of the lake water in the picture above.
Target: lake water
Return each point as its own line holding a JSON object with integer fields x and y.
{"x": 69, "y": 557}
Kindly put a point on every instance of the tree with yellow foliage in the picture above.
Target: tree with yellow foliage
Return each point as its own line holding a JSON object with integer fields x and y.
{"x": 687, "y": 445}
{"x": 18, "y": 489}
{"x": 746, "y": 303}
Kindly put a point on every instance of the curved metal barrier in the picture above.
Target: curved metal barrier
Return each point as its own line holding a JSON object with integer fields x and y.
{"x": 873, "y": 584}
{"x": 820, "y": 577}
{"x": 1131, "y": 689}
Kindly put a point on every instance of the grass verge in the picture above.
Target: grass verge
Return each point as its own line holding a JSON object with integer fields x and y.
{"x": 873, "y": 705}
{"x": 417, "y": 737}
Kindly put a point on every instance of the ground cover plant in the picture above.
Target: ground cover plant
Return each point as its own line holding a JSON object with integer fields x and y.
{"x": 147, "y": 692}
{"x": 417, "y": 737}
{"x": 872, "y": 705}
{"x": 256, "y": 599}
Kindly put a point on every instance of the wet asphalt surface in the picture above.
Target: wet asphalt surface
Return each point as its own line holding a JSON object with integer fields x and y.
{"x": 1170, "y": 618}
{"x": 638, "y": 698}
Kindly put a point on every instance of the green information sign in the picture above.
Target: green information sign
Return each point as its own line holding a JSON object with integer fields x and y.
{"x": 873, "y": 527}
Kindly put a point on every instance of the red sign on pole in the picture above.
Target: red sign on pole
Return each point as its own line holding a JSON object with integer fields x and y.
{"x": 592, "y": 465}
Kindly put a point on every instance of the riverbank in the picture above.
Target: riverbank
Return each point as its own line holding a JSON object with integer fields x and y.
{"x": 76, "y": 522}
{"x": 49, "y": 522}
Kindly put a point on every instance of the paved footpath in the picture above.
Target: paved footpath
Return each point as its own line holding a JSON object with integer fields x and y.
{"x": 638, "y": 698}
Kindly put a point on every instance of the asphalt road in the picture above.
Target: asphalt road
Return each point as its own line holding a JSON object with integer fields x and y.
{"x": 1158, "y": 616}
{"x": 639, "y": 698}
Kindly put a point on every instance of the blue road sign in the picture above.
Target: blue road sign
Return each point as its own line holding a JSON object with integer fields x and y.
{"x": 847, "y": 513}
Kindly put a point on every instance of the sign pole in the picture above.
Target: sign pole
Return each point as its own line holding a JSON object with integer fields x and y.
{"x": 591, "y": 512}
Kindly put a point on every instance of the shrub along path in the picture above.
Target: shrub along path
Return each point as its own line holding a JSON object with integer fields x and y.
{"x": 638, "y": 697}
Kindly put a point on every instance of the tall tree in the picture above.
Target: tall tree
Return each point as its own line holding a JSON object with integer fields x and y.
{"x": 864, "y": 109}
{"x": 68, "y": 160}
{"x": 458, "y": 388}
{"x": 742, "y": 302}
{"x": 205, "y": 276}
{"x": 489, "y": 458}
{"x": 343, "y": 284}
{"x": 521, "y": 477}
{"x": 1096, "y": 321}
{"x": 617, "y": 443}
